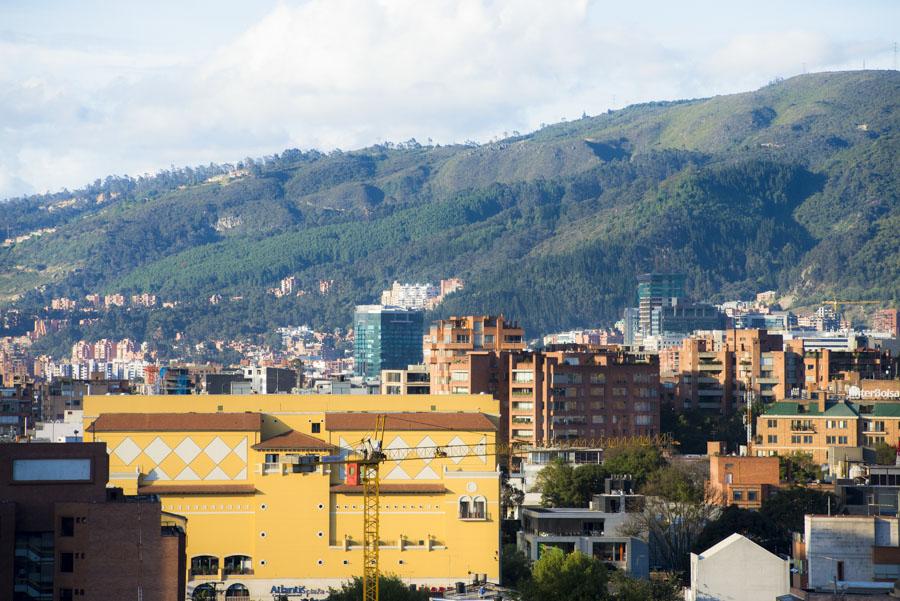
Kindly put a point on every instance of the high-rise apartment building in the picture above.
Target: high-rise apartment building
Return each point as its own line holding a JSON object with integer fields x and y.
{"x": 716, "y": 369}
{"x": 655, "y": 291}
{"x": 450, "y": 341}
{"x": 386, "y": 338}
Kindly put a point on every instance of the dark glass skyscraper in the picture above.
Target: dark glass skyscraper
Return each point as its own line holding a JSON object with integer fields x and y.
{"x": 386, "y": 338}
{"x": 657, "y": 290}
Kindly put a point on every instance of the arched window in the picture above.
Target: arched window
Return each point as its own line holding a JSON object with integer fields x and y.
{"x": 479, "y": 508}
{"x": 465, "y": 506}
{"x": 204, "y": 565}
{"x": 204, "y": 592}
{"x": 237, "y": 564}
{"x": 237, "y": 591}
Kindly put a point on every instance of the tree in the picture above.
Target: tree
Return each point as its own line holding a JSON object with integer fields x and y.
{"x": 673, "y": 521}
{"x": 562, "y": 485}
{"x": 787, "y": 507}
{"x": 514, "y": 568}
{"x": 754, "y": 525}
{"x": 632, "y": 589}
{"x": 510, "y": 498}
{"x": 637, "y": 460}
{"x": 560, "y": 577}
{"x": 798, "y": 467}
{"x": 390, "y": 588}
{"x": 885, "y": 454}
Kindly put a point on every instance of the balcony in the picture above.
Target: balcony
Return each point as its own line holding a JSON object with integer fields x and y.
{"x": 473, "y": 515}
{"x": 709, "y": 367}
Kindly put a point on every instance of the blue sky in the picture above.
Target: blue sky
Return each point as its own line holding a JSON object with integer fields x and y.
{"x": 94, "y": 88}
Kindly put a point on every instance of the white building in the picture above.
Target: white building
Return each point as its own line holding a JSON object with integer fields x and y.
{"x": 410, "y": 296}
{"x": 737, "y": 569}
{"x": 68, "y": 430}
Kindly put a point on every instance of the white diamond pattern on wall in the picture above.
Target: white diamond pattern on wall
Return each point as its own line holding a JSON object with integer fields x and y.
{"x": 187, "y": 474}
{"x": 157, "y": 450}
{"x": 127, "y": 451}
{"x": 240, "y": 449}
{"x": 399, "y": 448}
{"x": 458, "y": 449}
{"x": 187, "y": 450}
{"x": 217, "y": 450}
{"x": 425, "y": 449}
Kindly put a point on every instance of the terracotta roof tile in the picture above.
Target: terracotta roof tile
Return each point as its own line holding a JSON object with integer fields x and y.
{"x": 197, "y": 489}
{"x": 176, "y": 422}
{"x": 410, "y": 421}
{"x": 393, "y": 489}
{"x": 293, "y": 440}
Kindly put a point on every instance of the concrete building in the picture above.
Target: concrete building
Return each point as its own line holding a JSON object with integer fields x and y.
{"x": 415, "y": 379}
{"x": 848, "y": 552}
{"x": 450, "y": 341}
{"x": 270, "y": 380}
{"x": 737, "y": 569}
{"x": 65, "y": 536}
{"x": 266, "y": 510}
{"x": 535, "y": 459}
{"x": 685, "y": 318}
{"x": 69, "y": 429}
{"x": 386, "y": 338}
{"x": 594, "y": 531}
{"x": 742, "y": 481}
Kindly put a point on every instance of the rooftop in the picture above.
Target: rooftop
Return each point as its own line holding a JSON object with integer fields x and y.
{"x": 415, "y": 421}
{"x": 176, "y": 422}
{"x": 293, "y": 441}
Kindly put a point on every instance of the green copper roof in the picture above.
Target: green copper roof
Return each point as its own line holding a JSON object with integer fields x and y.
{"x": 832, "y": 409}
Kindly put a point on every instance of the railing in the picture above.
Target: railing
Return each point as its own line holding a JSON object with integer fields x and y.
{"x": 474, "y": 516}
{"x": 237, "y": 572}
{"x": 204, "y": 571}
{"x": 271, "y": 468}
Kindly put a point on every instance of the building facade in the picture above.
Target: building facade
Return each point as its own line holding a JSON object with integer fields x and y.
{"x": 265, "y": 509}
{"x": 737, "y": 569}
{"x": 415, "y": 379}
{"x": 743, "y": 481}
{"x": 450, "y": 341}
{"x": 655, "y": 291}
{"x": 65, "y": 536}
{"x": 386, "y": 338}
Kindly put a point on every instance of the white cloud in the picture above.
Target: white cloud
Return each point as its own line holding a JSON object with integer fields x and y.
{"x": 342, "y": 73}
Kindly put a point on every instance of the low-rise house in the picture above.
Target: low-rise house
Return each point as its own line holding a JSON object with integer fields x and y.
{"x": 737, "y": 569}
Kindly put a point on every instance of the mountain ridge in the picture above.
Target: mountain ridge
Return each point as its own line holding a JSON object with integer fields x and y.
{"x": 793, "y": 187}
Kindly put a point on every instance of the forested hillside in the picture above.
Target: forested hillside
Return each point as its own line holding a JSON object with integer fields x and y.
{"x": 792, "y": 187}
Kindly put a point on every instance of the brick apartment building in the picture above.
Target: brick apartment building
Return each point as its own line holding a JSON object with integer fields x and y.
{"x": 65, "y": 536}
{"x": 449, "y": 342}
{"x": 742, "y": 481}
{"x": 887, "y": 320}
{"x": 819, "y": 425}
{"x": 715, "y": 369}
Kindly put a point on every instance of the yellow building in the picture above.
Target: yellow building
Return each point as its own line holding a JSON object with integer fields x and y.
{"x": 263, "y": 521}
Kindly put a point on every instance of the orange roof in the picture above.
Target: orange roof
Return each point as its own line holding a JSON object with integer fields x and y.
{"x": 294, "y": 441}
{"x": 392, "y": 489}
{"x": 197, "y": 489}
{"x": 176, "y": 422}
{"x": 410, "y": 421}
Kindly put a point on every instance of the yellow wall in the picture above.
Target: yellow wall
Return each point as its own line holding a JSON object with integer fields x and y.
{"x": 293, "y": 521}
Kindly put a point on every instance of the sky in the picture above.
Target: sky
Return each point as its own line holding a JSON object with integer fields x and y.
{"x": 96, "y": 88}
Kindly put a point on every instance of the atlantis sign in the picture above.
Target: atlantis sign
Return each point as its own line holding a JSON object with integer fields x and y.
{"x": 297, "y": 591}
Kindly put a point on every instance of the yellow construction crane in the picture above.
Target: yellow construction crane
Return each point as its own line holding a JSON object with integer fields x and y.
{"x": 371, "y": 454}
{"x": 834, "y": 303}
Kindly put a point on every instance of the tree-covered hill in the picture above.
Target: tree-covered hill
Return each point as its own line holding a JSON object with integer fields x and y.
{"x": 792, "y": 187}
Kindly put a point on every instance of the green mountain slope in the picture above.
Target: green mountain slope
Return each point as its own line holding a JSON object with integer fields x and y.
{"x": 793, "y": 187}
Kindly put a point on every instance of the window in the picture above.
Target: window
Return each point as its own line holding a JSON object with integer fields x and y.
{"x": 459, "y": 376}
{"x": 66, "y": 563}
{"x": 596, "y": 419}
{"x": 65, "y": 594}
{"x": 67, "y": 526}
{"x": 772, "y": 423}
{"x": 271, "y": 457}
{"x": 523, "y": 405}
{"x": 598, "y": 378}
{"x": 316, "y": 428}
{"x": 643, "y": 420}
{"x": 598, "y": 391}
{"x": 522, "y": 433}
{"x": 204, "y": 565}
{"x": 237, "y": 564}
{"x": 751, "y": 495}
{"x": 842, "y": 440}
{"x": 737, "y": 495}
{"x": 807, "y": 439}
{"x": 772, "y": 439}
{"x": 460, "y": 390}
{"x": 523, "y": 377}
{"x": 795, "y": 439}
{"x": 237, "y": 591}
